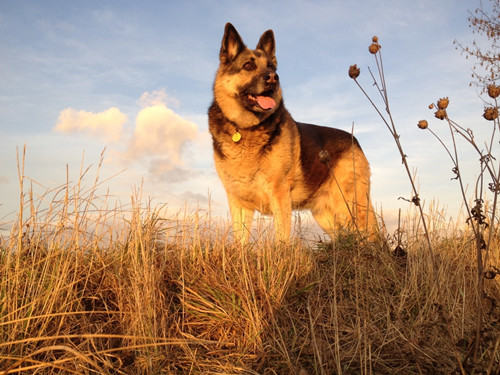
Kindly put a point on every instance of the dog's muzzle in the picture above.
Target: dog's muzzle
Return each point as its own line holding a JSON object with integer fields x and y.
{"x": 271, "y": 78}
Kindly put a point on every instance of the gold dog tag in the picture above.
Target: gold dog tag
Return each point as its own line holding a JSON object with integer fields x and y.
{"x": 236, "y": 137}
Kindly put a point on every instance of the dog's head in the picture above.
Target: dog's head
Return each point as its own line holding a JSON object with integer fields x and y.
{"x": 247, "y": 86}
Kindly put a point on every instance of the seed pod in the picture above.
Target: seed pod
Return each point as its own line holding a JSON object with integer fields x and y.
{"x": 431, "y": 106}
{"x": 440, "y": 114}
{"x": 493, "y": 91}
{"x": 443, "y": 103}
{"x": 422, "y": 124}
{"x": 374, "y": 48}
{"x": 375, "y": 39}
{"x": 354, "y": 71}
{"x": 490, "y": 113}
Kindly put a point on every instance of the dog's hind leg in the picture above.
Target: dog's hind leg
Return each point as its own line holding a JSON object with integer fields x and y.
{"x": 343, "y": 202}
{"x": 331, "y": 218}
{"x": 358, "y": 218}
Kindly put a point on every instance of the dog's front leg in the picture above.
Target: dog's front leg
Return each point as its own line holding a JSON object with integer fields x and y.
{"x": 281, "y": 207}
{"x": 242, "y": 221}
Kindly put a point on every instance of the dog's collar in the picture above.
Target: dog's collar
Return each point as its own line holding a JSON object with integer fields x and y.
{"x": 268, "y": 122}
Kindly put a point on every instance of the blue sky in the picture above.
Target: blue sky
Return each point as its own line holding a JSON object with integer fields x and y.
{"x": 136, "y": 78}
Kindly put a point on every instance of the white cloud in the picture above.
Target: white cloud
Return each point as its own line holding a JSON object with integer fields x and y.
{"x": 159, "y": 137}
{"x": 157, "y": 97}
{"x": 159, "y": 131}
{"x": 106, "y": 125}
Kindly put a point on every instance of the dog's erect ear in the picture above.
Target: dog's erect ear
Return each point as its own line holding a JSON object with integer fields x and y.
{"x": 232, "y": 44}
{"x": 268, "y": 45}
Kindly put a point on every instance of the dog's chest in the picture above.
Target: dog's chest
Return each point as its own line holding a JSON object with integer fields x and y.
{"x": 249, "y": 174}
{"x": 244, "y": 165}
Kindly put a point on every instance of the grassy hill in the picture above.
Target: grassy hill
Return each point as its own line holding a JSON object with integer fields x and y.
{"x": 89, "y": 290}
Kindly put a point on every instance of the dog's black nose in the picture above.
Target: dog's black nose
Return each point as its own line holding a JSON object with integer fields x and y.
{"x": 271, "y": 77}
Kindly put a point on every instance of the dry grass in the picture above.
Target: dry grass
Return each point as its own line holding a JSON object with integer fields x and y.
{"x": 88, "y": 289}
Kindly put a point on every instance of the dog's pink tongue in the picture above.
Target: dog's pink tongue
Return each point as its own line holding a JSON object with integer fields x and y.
{"x": 266, "y": 102}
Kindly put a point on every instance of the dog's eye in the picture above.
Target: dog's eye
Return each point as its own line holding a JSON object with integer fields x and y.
{"x": 249, "y": 65}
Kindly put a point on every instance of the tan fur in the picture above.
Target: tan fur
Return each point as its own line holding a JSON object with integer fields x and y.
{"x": 346, "y": 196}
{"x": 267, "y": 170}
{"x": 261, "y": 183}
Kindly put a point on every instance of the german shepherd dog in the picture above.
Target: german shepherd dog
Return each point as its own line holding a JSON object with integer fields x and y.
{"x": 270, "y": 163}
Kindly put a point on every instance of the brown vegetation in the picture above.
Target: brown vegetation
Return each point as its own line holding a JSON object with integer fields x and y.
{"x": 90, "y": 290}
